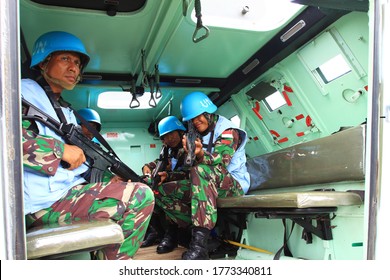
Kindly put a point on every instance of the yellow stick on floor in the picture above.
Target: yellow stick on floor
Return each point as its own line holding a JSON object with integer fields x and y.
{"x": 249, "y": 247}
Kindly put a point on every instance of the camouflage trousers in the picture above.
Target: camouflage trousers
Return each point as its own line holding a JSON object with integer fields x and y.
{"x": 128, "y": 204}
{"x": 194, "y": 201}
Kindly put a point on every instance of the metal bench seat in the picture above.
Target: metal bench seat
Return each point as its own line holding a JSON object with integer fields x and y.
{"x": 306, "y": 183}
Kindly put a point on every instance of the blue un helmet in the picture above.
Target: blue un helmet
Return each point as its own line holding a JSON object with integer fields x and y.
{"x": 169, "y": 124}
{"x": 56, "y": 41}
{"x": 196, "y": 103}
{"x": 90, "y": 115}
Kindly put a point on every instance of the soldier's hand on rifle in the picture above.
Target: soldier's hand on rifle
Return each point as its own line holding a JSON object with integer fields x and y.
{"x": 146, "y": 170}
{"x": 73, "y": 155}
{"x": 163, "y": 176}
{"x": 198, "y": 148}
{"x": 184, "y": 142}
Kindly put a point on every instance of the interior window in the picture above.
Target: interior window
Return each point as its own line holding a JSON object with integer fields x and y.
{"x": 274, "y": 101}
{"x": 333, "y": 69}
{"x": 236, "y": 120}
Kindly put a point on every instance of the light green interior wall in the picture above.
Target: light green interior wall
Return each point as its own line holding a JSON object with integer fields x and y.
{"x": 325, "y": 104}
{"x": 135, "y": 146}
{"x": 332, "y": 111}
{"x": 329, "y": 111}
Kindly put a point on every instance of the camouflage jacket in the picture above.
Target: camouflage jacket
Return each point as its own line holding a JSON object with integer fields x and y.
{"x": 40, "y": 153}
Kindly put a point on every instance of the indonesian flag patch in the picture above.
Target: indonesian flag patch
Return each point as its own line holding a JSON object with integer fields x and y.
{"x": 227, "y": 137}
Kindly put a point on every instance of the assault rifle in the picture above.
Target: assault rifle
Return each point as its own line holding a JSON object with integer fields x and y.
{"x": 162, "y": 164}
{"x": 191, "y": 136}
{"x": 99, "y": 159}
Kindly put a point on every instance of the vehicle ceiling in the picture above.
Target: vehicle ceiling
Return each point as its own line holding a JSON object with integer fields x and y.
{"x": 163, "y": 29}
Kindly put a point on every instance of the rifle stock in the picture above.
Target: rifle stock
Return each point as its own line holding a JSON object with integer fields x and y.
{"x": 191, "y": 136}
{"x": 99, "y": 159}
{"x": 161, "y": 166}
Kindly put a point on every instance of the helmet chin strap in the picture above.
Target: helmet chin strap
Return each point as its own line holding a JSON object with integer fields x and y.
{"x": 208, "y": 117}
{"x": 59, "y": 82}
{"x": 210, "y": 121}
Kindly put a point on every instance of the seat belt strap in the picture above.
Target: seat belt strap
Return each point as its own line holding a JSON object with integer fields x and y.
{"x": 285, "y": 248}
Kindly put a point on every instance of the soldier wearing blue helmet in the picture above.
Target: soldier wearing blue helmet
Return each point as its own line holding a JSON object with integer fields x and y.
{"x": 219, "y": 171}
{"x": 169, "y": 124}
{"x": 60, "y": 193}
{"x": 171, "y": 131}
{"x": 93, "y": 117}
{"x": 51, "y": 47}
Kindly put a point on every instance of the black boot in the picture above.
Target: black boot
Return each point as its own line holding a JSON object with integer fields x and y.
{"x": 151, "y": 237}
{"x": 169, "y": 242}
{"x": 184, "y": 237}
{"x": 154, "y": 233}
{"x": 198, "y": 246}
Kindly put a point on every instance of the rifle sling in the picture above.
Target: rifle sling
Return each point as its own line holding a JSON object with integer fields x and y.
{"x": 61, "y": 102}
{"x": 210, "y": 145}
{"x": 54, "y": 102}
{"x": 95, "y": 133}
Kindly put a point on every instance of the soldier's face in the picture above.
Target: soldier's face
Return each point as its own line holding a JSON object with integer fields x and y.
{"x": 62, "y": 70}
{"x": 172, "y": 139}
{"x": 200, "y": 123}
{"x": 86, "y": 132}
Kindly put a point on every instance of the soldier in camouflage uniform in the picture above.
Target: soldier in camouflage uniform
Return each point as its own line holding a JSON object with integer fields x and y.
{"x": 171, "y": 132}
{"x": 219, "y": 171}
{"x": 93, "y": 118}
{"x": 53, "y": 193}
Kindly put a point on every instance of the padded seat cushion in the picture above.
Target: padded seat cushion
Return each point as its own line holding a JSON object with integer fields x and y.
{"x": 79, "y": 236}
{"x": 335, "y": 158}
{"x": 292, "y": 200}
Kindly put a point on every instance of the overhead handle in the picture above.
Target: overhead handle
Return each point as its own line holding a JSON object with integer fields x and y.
{"x": 134, "y": 103}
{"x": 199, "y": 24}
{"x": 157, "y": 79}
{"x": 145, "y": 81}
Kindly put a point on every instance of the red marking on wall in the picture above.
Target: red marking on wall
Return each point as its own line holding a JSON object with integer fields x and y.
{"x": 366, "y": 88}
{"x": 273, "y": 132}
{"x": 288, "y": 101}
{"x": 112, "y": 134}
{"x": 287, "y": 88}
{"x": 255, "y": 138}
{"x": 300, "y": 134}
{"x": 277, "y": 135}
{"x": 256, "y": 109}
{"x": 308, "y": 121}
{"x": 152, "y": 146}
{"x": 285, "y": 139}
{"x": 299, "y": 117}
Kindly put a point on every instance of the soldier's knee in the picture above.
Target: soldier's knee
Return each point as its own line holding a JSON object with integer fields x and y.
{"x": 142, "y": 195}
{"x": 149, "y": 194}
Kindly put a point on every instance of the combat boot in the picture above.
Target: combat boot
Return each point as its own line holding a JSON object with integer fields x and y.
{"x": 198, "y": 246}
{"x": 170, "y": 240}
{"x": 154, "y": 233}
{"x": 151, "y": 238}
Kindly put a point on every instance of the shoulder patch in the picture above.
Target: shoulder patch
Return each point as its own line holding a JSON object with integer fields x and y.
{"x": 227, "y": 134}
